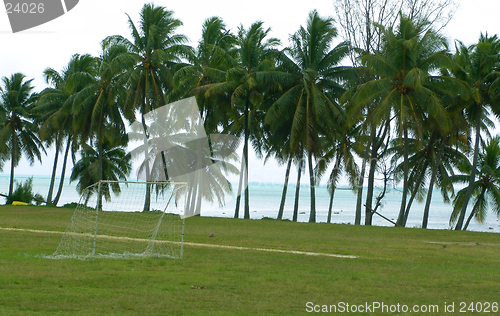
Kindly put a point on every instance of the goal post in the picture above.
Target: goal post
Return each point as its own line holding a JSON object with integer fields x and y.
{"x": 109, "y": 221}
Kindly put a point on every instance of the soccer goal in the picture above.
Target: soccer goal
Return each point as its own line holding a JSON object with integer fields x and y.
{"x": 123, "y": 219}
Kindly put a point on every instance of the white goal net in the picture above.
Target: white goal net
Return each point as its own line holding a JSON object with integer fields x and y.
{"x": 121, "y": 219}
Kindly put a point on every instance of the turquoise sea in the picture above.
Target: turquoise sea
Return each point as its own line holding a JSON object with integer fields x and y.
{"x": 265, "y": 199}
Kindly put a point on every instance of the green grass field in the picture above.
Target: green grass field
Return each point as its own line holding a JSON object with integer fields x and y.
{"x": 411, "y": 267}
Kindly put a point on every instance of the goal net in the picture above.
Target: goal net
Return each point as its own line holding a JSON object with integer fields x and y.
{"x": 110, "y": 221}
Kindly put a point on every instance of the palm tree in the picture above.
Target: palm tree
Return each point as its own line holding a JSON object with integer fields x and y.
{"x": 446, "y": 157}
{"x": 314, "y": 79}
{"x": 340, "y": 141}
{"x": 276, "y": 144}
{"x": 372, "y": 146}
{"x": 98, "y": 105}
{"x": 479, "y": 66}
{"x": 485, "y": 189}
{"x": 55, "y": 107}
{"x": 156, "y": 50}
{"x": 433, "y": 158}
{"x": 213, "y": 56}
{"x": 406, "y": 86}
{"x": 255, "y": 52}
{"x": 108, "y": 161}
{"x": 19, "y": 133}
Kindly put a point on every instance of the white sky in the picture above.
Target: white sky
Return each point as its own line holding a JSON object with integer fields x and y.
{"x": 82, "y": 29}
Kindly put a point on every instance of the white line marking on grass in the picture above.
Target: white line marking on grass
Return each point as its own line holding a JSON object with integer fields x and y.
{"x": 203, "y": 245}
{"x": 272, "y": 250}
{"x": 31, "y": 230}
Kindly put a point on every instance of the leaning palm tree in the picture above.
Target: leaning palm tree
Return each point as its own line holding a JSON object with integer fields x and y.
{"x": 276, "y": 144}
{"x": 157, "y": 50}
{"x": 255, "y": 53}
{"x": 406, "y": 86}
{"x": 340, "y": 142}
{"x": 313, "y": 81}
{"x": 432, "y": 161}
{"x": 19, "y": 133}
{"x": 485, "y": 189}
{"x": 479, "y": 66}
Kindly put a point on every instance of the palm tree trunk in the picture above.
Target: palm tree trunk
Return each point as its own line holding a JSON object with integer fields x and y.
{"x": 194, "y": 193}
{"x": 87, "y": 198}
{"x": 335, "y": 170}
{"x": 54, "y": 170}
{"x": 164, "y": 161}
{"x": 63, "y": 173}
{"x": 377, "y": 140}
{"x": 371, "y": 181}
{"x": 414, "y": 194}
{"x": 99, "y": 172}
{"x": 481, "y": 196}
{"x": 147, "y": 199}
{"x": 285, "y": 187}
{"x": 472, "y": 178}
{"x": 189, "y": 207}
{"x": 410, "y": 203}
{"x": 435, "y": 167}
{"x": 245, "y": 154}
{"x": 198, "y": 173}
{"x": 238, "y": 197}
{"x": 357, "y": 219}
{"x": 312, "y": 216}
{"x": 297, "y": 189}
{"x": 401, "y": 218}
{"x": 198, "y": 200}
{"x": 330, "y": 206}
{"x": 11, "y": 182}
{"x": 469, "y": 219}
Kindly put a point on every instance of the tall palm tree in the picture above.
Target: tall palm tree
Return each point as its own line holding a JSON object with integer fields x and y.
{"x": 19, "y": 134}
{"x": 485, "y": 189}
{"x": 55, "y": 110}
{"x": 157, "y": 50}
{"x": 314, "y": 80}
{"x": 406, "y": 86}
{"x": 99, "y": 105}
{"x": 479, "y": 66}
{"x": 255, "y": 53}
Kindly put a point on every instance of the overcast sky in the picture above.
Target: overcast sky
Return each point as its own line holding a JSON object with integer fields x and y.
{"x": 82, "y": 29}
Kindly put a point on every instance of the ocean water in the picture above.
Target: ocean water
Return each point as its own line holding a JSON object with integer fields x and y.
{"x": 265, "y": 200}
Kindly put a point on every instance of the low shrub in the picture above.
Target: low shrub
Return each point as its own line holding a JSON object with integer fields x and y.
{"x": 23, "y": 192}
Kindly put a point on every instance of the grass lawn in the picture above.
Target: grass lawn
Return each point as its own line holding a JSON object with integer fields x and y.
{"x": 393, "y": 266}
